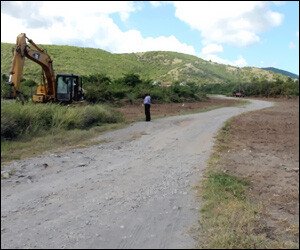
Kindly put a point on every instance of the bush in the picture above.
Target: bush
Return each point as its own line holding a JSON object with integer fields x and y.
{"x": 131, "y": 88}
{"x": 33, "y": 119}
{"x": 255, "y": 88}
{"x": 131, "y": 80}
{"x": 180, "y": 92}
{"x": 9, "y": 127}
{"x": 97, "y": 115}
{"x": 5, "y": 91}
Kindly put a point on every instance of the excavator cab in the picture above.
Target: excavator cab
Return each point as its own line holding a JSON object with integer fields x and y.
{"x": 68, "y": 88}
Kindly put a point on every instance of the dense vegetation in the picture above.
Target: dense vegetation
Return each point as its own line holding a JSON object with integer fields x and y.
{"x": 131, "y": 88}
{"x": 258, "y": 88}
{"x": 29, "y": 120}
{"x": 160, "y": 66}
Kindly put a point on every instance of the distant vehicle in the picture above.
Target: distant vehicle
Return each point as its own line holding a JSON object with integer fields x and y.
{"x": 239, "y": 94}
{"x": 54, "y": 88}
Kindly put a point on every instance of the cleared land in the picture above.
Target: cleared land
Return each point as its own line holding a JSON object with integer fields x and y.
{"x": 135, "y": 189}
{"x": 262, "y": 147}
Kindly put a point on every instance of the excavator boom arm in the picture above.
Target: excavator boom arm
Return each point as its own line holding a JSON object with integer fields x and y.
{"x": 17, "y": 65}
{"x": 36, "y": 55}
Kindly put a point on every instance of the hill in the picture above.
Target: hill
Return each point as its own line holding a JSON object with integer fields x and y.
{"x": 283, "y": 72}
{"x": 162, "y": 66}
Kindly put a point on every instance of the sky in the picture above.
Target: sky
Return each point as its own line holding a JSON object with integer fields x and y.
{"x": 238, "y": 33}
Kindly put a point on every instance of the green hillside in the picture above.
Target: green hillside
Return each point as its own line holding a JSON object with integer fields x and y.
{"x": 166, "y": 67}
{"x": 283, "y": 72}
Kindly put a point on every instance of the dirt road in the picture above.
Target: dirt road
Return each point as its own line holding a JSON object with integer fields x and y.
{"x": 132, "y": 190}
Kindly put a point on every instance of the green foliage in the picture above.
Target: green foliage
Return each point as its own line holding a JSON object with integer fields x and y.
{"x": 104, "y": 91}
{"x": 111, "y": 77}
{"x": 27, "y": 87}
{"x": 131, "y": 88}
{"x": 19, "y": 119}
{"x": 180, "y": 92}
{"x": 255, "y": 88}
{"x": 33, "y": 119}
{"x": 131, "y": 80}
{"x": 220, "y": 88}
{"x": 30, "y": 83}
{"x": 97, "y": 79}
{"x": 5, "y": 87}
{"x": 166, "y": 67}
{"x": 225, "y": 186}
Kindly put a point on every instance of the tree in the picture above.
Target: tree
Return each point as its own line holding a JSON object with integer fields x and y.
{"x": 132, "y": 80}
{"x": 97, "y": 79}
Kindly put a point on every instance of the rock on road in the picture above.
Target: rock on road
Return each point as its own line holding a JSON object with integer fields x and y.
{"x": 134, "y": 189}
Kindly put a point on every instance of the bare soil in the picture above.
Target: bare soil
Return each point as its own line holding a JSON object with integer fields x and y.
{"x": 264, "y": 148}
{"x": 133, "y": 112}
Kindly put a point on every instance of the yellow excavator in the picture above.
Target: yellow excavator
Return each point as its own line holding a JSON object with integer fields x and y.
{"x": 63, "y": 88}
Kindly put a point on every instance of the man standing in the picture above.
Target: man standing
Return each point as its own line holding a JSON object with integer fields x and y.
{"x": 147, "y": 104}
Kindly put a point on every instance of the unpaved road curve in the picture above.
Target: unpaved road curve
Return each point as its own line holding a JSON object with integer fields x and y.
{"x": 132, "y": 190}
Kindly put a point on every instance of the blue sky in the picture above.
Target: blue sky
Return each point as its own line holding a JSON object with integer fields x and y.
{"x": 239, "y": 33}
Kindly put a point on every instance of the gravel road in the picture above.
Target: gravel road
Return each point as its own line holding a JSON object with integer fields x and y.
{"x": 132, "y": 190}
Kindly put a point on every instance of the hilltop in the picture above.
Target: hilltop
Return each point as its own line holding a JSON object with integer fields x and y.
{"x": 162, "y": 66}
{"x": 283, "y": 72}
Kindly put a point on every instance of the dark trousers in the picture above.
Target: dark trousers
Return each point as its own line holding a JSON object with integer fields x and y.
{"x": 147, "y": 112}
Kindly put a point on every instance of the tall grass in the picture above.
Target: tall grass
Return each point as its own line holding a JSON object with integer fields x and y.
{"x": 32, "y": 119}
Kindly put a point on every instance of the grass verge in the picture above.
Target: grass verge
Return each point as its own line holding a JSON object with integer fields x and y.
{"x": 56, "y": 140}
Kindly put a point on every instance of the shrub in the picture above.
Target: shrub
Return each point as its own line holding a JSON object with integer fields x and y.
{"x": 97, "y": 115}
{"x": 32, "y": 119}
{"x": 131, "y": 87}
{"x": 131, "y": 80}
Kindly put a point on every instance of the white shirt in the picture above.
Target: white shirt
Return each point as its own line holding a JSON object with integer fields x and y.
{"x": 147, "y": 100}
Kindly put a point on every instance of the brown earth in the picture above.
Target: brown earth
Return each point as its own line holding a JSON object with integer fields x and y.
{"x": 263, "y": 148}
{"x": 133, "y": 112}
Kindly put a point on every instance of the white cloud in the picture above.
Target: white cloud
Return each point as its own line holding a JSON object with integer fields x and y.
{"x": 209, "y": 52}
{"x": 233, "y": 22}
{"x": 86, "y": 24}
{"x": 78, "y": 22}
{"x": 274, "y": 18}
{"x": 114, "y": 40}
{"x": 212, "y": 49}
{"x": 239, "y": 62}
